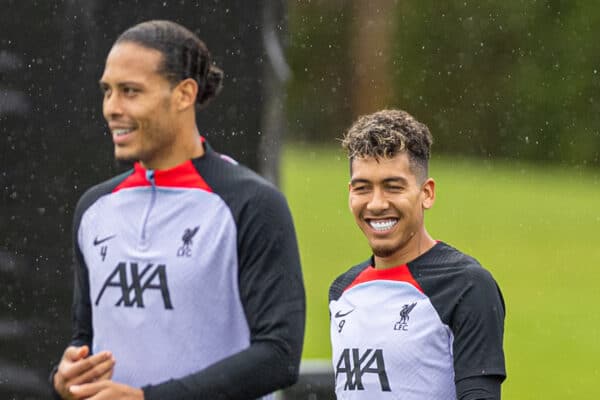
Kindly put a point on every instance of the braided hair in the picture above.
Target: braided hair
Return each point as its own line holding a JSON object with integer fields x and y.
{"x": 184, "y": 55}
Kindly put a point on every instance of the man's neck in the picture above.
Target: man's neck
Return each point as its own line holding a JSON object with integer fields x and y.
{"x": 417, "y": 245}
{"x": 191, "y": 147}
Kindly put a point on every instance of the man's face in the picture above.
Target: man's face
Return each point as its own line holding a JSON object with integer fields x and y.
{"x": 388, "y": 203}
{"x": 138, "y": 104}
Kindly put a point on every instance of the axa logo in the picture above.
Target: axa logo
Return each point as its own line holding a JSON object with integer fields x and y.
{"x": 133, "y": 282}
{"x": 186, "y": 248}
{"x": 402, "y": 325}
{"x": 354, "y": 365}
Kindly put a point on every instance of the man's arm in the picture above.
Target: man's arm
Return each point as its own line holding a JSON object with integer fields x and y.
{"x": 478, "y": 328}
{"x": 486, "y": 387}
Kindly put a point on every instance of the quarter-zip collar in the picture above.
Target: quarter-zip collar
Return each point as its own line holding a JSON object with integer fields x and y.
{"x": 183, "y": 175}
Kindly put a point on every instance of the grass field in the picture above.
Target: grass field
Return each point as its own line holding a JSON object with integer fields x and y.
{"x": 535, "y": 228}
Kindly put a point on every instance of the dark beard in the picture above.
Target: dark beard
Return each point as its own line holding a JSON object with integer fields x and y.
{"x": 383, "y": 252}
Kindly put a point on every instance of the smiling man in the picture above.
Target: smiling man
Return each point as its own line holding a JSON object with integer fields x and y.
{"x": 187, "y": 273}
{"x": 418, "y": 319}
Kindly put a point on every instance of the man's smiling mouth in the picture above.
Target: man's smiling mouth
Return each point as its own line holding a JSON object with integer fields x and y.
{"x": 122, "y": 131}
{"x": 381, "y": 225}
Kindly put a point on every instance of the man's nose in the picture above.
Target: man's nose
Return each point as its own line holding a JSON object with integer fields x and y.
{"x": 111, "y": 106}
{"x": 378, "y": 201}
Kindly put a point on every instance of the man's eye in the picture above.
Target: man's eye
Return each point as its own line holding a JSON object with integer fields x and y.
{"x": 130, "y": 91}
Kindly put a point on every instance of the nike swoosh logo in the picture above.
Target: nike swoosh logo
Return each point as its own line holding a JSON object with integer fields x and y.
{"x": 99, "y": 241}
{"x": 340, "y": 314}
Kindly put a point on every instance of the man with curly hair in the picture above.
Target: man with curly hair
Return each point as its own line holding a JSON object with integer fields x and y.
{"x": 419, "y": 319}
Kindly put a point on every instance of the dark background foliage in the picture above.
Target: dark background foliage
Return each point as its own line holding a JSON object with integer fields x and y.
{"x": 515, "y": 79}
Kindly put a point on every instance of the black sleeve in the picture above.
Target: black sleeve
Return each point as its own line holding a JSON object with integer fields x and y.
{"x": 479, "y": 388}
{"x": 478, "y": 327}
{"x": 82, "y": 314}
{"x": 272, "y": 292}
{"x": 81, "y": 311}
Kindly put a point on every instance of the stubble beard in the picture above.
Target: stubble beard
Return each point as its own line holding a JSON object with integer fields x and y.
{"x": 384, "y": 251}
{"x": 152, "y": 143}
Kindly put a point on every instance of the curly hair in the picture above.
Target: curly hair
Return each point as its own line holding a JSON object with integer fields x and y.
{"x": 387, "y": 133}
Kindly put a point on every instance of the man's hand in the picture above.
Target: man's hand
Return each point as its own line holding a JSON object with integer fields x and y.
{"x": 75, "y": 369}
{"x": 106, "y": 390}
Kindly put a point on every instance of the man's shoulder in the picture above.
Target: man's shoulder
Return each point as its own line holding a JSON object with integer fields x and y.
{"x": 448, "y": 270}
{"x": 456, "y": 284}
{"x": 345, "y": 279}
{"x": 235, "y": 183}
{"x": 446, "y": 258}
{"x": 218, "y": 169}
{"x": 95, "y": 192}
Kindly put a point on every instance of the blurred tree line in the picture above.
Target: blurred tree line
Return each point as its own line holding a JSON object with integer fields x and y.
{"x": 514, "y": 79}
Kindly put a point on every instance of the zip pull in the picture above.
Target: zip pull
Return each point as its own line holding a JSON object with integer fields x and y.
{"x": 150, "y": 178}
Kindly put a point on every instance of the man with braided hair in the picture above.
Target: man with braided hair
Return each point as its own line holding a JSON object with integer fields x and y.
{"x": 187, "y": 274}
{"x": 418, "y": 319}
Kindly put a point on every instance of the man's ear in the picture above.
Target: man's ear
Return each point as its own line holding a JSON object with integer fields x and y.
{"x": 428, "y": 190}
{"x": 186, "y": 92}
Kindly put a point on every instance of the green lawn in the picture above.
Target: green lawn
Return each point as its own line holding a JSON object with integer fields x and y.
{"x": 535, "y": 228}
